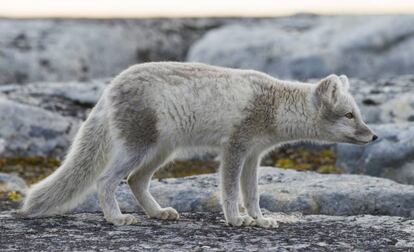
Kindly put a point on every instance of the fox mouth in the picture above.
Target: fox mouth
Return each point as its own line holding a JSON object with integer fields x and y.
{"x": 356, "y": 141}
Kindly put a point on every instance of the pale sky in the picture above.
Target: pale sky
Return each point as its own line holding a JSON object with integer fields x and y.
{"x": 196, "y": 8}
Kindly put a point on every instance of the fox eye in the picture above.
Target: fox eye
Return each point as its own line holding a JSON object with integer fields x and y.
{"x": 349, "y": 115}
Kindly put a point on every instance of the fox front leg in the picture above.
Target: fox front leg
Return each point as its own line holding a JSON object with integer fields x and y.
{"x": 231, "y": 166}
{"x": 250, "y": 192}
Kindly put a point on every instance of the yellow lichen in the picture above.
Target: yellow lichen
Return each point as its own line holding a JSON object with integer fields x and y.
{"x": 14, "y": 196}
{"x": 322, "y": 161}
{"x": 328, "y": 169}
{"x": 32, "y": 169}
{"x": 285, "y": 163}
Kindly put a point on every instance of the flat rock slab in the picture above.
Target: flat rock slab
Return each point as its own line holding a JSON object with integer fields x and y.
{"x": 205, "y": 232}
{"x": 281, "y": 191}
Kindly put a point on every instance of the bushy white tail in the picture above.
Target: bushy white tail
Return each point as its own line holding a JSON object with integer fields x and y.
{"x": 70, "y": 183}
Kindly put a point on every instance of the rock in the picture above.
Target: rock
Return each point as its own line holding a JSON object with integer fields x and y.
{"x": 69, "y": 99}
{"x": 392, "y": 156}
{"x": 42, "y": 118}
{"x": 74, "y": 49}
{"x": 303, "y": 47}
{"x": 400, "y": 109}
{"x": 12, "y": 183}
{"x": 206, "y": 232}
{"x": 28, "y": 130}
{"x": 387, "y": 100}
{"x": 2, "y": 145}
{"x": 282, "y": 191}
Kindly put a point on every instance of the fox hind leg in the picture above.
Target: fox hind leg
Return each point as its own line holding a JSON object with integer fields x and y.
{"x": 139, "y": 181}
{"x": 119, "y": 166}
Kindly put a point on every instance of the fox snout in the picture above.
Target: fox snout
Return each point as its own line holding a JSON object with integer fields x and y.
{"x": 365, "y": 135}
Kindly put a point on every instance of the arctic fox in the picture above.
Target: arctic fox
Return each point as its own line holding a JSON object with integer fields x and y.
{"x": 152, "y": 110}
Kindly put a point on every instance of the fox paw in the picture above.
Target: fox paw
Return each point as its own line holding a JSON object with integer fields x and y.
{"x": 124, "y": 219}
{"x": 266, "y": 222}
{"x": 244, "y": 220}
{"x": 167, "y": 213}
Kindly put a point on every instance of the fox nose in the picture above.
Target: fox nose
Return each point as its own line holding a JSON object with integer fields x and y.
{"x": 374, "y": 137}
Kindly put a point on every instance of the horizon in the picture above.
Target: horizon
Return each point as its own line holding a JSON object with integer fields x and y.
{"x": 191, "y": 8}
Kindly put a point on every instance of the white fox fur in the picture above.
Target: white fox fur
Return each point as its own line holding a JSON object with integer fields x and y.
{"x": 152, "y": 110}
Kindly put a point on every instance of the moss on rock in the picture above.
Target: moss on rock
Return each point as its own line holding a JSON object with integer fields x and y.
{"x": 322, "y": 161}
{"x": 31, "y": 169}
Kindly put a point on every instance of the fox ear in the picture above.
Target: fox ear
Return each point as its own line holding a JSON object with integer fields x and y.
{"x": 345, "y": 82}
{"x": 328, "y": 89}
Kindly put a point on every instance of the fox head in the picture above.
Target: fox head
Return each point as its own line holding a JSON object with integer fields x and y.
{"x": 338, "y": 116}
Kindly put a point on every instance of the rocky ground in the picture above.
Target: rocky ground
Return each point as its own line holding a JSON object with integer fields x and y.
{"x": 327, "y": 199}
{"x": 206, "y": 231}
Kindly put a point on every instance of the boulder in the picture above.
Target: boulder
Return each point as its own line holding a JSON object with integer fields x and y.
{"x": 29, "y": 131}
{"x": 206, "y": 232}
{"x": 42, "y": 118}
{"x": 391, "y": 156}
{"x": 69, "y": 99}
{"x": 281, "y": 191}
{"x": 74, "y": 49}
{"x": 303, "y": 47}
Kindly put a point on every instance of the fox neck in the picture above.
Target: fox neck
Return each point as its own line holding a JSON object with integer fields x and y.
{"x": 299, "y": 115}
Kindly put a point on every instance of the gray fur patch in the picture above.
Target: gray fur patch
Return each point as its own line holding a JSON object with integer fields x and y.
{"x": 261, "y": 114}
{"x": 329, "y": 114}
{"x": 273, "y": 102}
{"x": 135, "y": 120}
